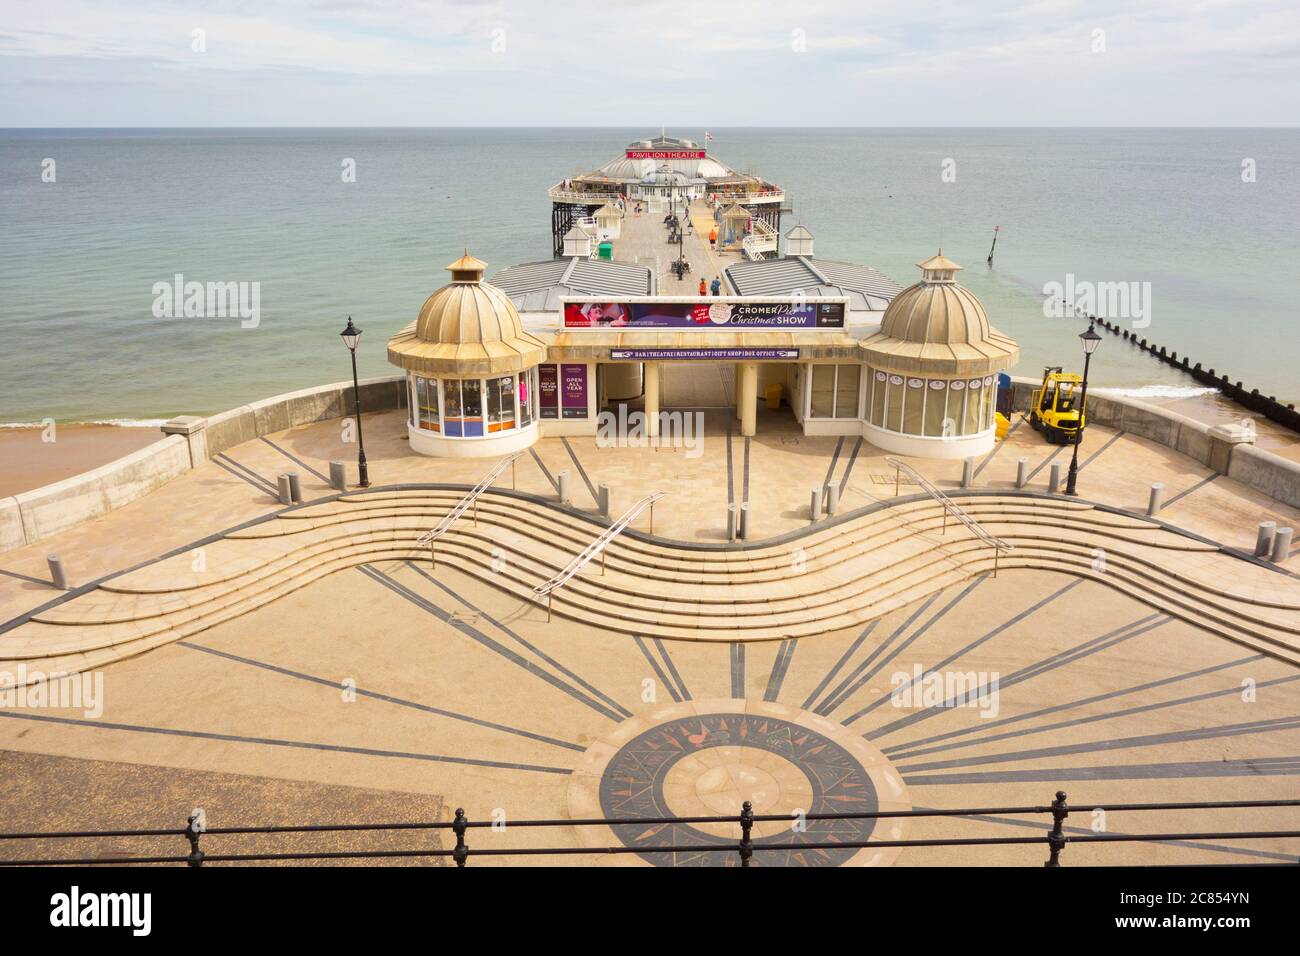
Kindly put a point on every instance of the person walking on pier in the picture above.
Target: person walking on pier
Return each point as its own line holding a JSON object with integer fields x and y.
{"x": 713, "y": 237}
{"x": 715, "y": 287}
{"x": 703, "y": 289}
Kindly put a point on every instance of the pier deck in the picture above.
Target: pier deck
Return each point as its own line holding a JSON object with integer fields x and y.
{"x": 644, "y": 241}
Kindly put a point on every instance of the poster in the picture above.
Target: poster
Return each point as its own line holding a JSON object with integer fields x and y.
{"x": 573, "y": 391}
{"x": 704, "y": 314}
{"x": 548, "y": 392}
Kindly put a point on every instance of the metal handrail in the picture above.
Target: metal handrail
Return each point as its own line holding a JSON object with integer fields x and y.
{"x": 470, "y": 499}
{"x": 949, "y": 505}
{"x": 597, "y": 547}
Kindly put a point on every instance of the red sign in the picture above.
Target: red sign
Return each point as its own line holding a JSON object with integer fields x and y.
{"x": 665, "y": 154}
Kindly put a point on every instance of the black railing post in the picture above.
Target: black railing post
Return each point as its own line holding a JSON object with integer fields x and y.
{"x": 192, "y": 832}
{"x": 746, "y": 826}
{"x": 459, "y": 825}
{"x": 1056, "y": 838}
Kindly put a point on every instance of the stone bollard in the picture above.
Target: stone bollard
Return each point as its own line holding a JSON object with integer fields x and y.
{"x": 565, "y": 480}
{"x": 286, "y": 492}
{"x": 968, "y": 472}
{"x": 832, "y": 497}
{"x": 744, "y": 521}
{"x": 732, "y": 511}
{"x": 603, "y": 490}
{"x": 1264, "y": 540}
{"x": 1157, "y": 499}
{"x": 1281, "y": 545}
{"x": 814, "y": 504}
{"x": 338, "y": 476}
{"x": 295, "y": 488}
{"x": 1022, "y": 472}
{"x": 1054, "y": 478}
{"x": 57, "y": 574}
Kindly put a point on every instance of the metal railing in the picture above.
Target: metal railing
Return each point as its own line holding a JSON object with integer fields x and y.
{"x": 597, "y": 547}
{"x": 1055, "y": 839}
{"x": 949, "y": 505}
{"x": 470, "y": 500}
{"x": 762, "y": 239}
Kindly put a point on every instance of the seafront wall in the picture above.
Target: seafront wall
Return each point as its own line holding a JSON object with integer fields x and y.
{"x": 189, "y": 441}
{"x": 1256, "y": 468}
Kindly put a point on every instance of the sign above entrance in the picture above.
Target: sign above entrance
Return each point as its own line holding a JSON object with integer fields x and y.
{"x": 665, "y": 154}
{"x": 705, "y": 313}
{"x": 715, "y": 355}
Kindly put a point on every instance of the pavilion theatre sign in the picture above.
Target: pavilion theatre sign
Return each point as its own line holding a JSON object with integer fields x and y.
{"x": 705, "y": 313}
{"x": 665, "y": 154}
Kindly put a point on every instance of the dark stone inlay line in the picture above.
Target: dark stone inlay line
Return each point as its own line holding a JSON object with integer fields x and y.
{"x": 839, "y": 665}
{"x": 654, "y": 664}
{"x": 26, "y": 577}
{"x": 780, "y": 666}
{"x": 905, "y": 750}
{"x": 386, "y": 698}
{"x": 1250, "y": 767}
{"x": 737, "y": 669}
{"x": 1120, "y": 743}
{"x": 1196, "y": 487}
{"x": 903, "y": 646}
{"x": 1093, "y": 718}
{"x": 255, "y": 482}
{"x": 672, "y": 668}
{"x": 256, "y": 476}
{"x": 835, "y": 458}
{"x": 277, "y": 742}
{"x": 745, "y": 499}
{"x": 998, "y": 447}
{"x": 1113, "y": 438}
{"x": 1044, "y": 463}
{"x": 294, "y": 458}
{"x": 475, "y": 634}
{"x": 506, "y": 629}
{"x": 542, "y": 465}
{"x": 848, "y": 470}
{"x": 1016, "y": 619}
{"x": 1189, "y": 844}
{"x": 581, "y": 471}
{"x": 838, "y": 695}
{"x": 1087, "y": 648}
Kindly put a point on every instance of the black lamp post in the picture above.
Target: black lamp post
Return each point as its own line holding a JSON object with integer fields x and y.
{"x": 1090, "y": 340}
{"x": 351, "y": 336}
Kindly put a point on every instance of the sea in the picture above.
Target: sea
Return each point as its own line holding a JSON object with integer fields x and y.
{"x": 1187, "y": 236}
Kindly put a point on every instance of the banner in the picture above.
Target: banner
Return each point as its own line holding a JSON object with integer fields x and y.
{"x": 705, "y": 314}
{"x": 573, "y": 391}
{"x": 665, "y": 154}
{"x": 548, "y": 392}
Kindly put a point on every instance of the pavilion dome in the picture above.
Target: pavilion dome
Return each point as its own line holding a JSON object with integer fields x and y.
{"x": 468, "y": 327}
{"x": 939, "y": 327}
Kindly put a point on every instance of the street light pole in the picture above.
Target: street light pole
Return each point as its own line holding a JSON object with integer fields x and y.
{"x": 351, "y": 336}
{"x": 1090, "y": 340}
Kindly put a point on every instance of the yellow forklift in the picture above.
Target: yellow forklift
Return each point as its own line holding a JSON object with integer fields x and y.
{"x": 1055, "y": 407}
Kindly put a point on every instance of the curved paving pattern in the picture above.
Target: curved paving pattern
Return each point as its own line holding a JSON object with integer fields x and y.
{"x": 835, "y": 575}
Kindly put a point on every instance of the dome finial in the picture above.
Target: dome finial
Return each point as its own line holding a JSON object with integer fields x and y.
{"x": 467, "y": 268}
{"x": 938, "y": 268}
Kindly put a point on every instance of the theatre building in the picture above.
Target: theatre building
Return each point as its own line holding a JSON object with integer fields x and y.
{"x": 545, "y": 347}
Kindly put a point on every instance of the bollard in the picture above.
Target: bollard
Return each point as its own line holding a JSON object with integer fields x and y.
{"x": 1157, "y": 499}
{"x": 1054, "y": 478}
{"x": 1281, "y": 545}
{"x": 565, "y": 482}
{"x": 814, "y": 503}
{"x": 57, "y": 575}
{"x": 295, "y": 487}
{"x": 603, "y": 490}
{"x": 338, "y": 476}
{"x": 1264, "y": 542}
{"x": 731, "y": 522}
{"x": 1022, "y": 473}
{"x": 744, "y": 521}
{"x": 286, "y": 495}
{"x": 968, "y": 472}
{"x": 832, "y": 497}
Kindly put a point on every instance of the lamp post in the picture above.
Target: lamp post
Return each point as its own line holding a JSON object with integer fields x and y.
{"x": 1090, "y": 340}
{"x": 351, "y": 336}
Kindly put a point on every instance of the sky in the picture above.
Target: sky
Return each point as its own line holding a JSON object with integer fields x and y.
{"x": 694, "y": 63}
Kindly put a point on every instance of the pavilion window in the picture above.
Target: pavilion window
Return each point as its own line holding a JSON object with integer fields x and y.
{"x": 936, "y": 407}
{"x": 501, "y": 403}
{"x": 914, "y": 411}
{"x": 426, "y": 409}
{"x": 879, "y": 382}
{"x": 847, "y": 380}
{"x": 894, "y": 399}
{"x": 526, "y": 391}
{"x": 974, "y": 400}
{"x": 823, "y": 391}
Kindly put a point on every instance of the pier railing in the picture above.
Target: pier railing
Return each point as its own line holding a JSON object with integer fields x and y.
{"x": 740, "y": 852}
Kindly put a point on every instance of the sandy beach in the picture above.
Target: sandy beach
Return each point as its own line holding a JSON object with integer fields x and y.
{"x": 30, "y": 461}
